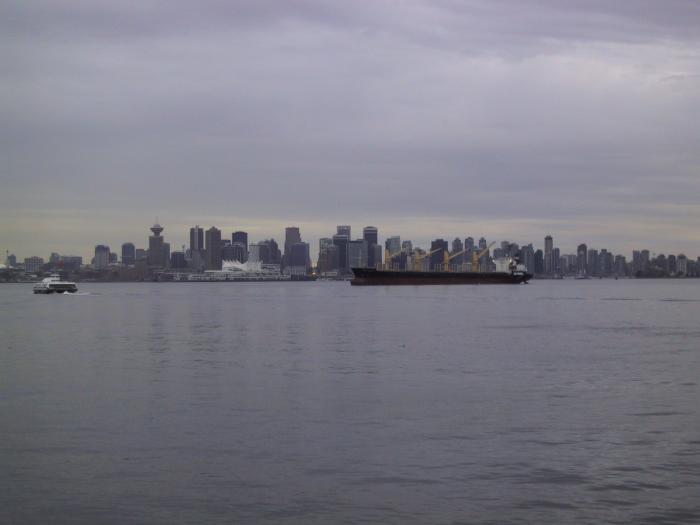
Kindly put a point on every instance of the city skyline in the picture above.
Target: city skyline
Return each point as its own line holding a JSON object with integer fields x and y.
{"x": 511, "y": 119}
{"x": 196, "y": 235}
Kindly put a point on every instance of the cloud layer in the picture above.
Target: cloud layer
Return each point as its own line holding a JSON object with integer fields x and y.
{"x": 510, "y": 119}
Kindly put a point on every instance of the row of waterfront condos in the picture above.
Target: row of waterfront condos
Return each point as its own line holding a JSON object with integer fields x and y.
{"x": 208, "y": 251}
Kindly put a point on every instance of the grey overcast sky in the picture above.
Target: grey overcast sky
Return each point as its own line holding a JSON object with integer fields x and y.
{"x": 509, "y": 119}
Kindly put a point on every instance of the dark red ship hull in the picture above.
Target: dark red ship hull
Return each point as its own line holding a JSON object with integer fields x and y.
{"x": 372, "y": 277}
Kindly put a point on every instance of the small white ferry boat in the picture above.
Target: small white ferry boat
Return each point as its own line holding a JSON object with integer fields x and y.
{"x": 54, "y": 284}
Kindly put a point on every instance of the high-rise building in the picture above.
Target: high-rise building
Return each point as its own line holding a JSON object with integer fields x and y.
{"x": 437, "y": 259}
{"x": 196, "y": 239}
{"x": 128, "y": 254}
{"x": 292, "y": 236}
{"x": 582, "y": 259}
{"x": 593, "y": 262}
{"x": 156, "y": 253}
{"x": 392, "y": 246}
{"x": 604, "y": 262}
{"x": 682, "y": 265}
{"x": 620, "y": 265}
{"x": 358, "y": 254}
{"x": 177, "y": 260}
{"x": 11, "y": 260}
{"x": 239, "y": 241}
{"x": 539, "y": 262}
{"x": 266, "y": 252}
{"x": 344, "y": 230}
{"x": 548, "y": 255}
{"x": 327, "y": 258}
{"x": 240, "y": 238}
{"x": 341, "y": 242}
{"x": 101, "y": 260}
{"x": 556, "y": 261}
{"x": 212, "y": 240}
{"x": 457, "y": 247}
{"x": 370, "y": 234}
{"x": 141, "y": 255}
{"x": 299, "y": 261}
{"x": 672, "y": 264}
{"x": 527, "y": 258}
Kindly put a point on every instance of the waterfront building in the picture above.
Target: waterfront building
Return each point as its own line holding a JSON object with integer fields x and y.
{"x": 141, "y": 255}
{"x": 101, "y": 260}
{"x": 682, "y": 265}
{"x": 156, "y": 253}
{"x": 11, "y": 260}
{"x": 71, "y": 262}
{"x": 128, "y": 254}
{"x": 556, "y": 261}
{"x": 113, "y": 258}
{"x": 212, "y": 239}
{"x": 33, "y": 264}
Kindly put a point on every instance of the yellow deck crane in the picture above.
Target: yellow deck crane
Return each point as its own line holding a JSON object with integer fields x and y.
{"x": 418, "y": 259}
{"x": 477, "y": 255}
{"x": 388, "y": 259}
{"x": 449, "y": 257}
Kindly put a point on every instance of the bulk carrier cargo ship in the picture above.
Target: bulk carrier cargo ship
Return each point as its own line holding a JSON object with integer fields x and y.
{"x": 508, "y": 271}
{"x": 370, "y": 276}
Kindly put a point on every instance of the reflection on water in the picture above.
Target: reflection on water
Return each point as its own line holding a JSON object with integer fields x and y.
{"x": 555, "y": 402}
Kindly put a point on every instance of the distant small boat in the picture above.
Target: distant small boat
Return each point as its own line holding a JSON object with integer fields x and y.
{"x": 54, "y": 284}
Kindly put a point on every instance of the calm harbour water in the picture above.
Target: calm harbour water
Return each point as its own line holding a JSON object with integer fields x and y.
{"x": 555, "y": 402}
